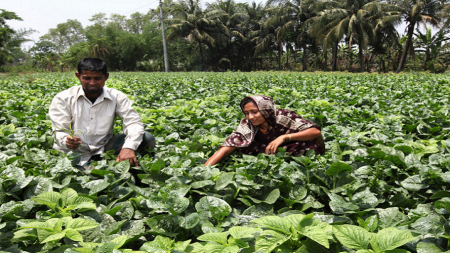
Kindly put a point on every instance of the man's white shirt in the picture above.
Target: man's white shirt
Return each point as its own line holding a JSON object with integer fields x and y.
{"x": 93, "y": 123}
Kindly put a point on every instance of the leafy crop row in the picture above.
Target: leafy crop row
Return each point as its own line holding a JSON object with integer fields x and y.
{"x": 382, "y": 185}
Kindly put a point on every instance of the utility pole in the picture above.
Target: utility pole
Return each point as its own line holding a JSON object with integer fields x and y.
{"x": 166, "y": 57}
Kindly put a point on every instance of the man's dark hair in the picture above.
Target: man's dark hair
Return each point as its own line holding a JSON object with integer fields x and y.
{"x": 92, "y": 64}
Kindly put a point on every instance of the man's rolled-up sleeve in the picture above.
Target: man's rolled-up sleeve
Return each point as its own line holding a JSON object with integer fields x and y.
{"x": 59, "y": 114}
{"x": 132, "y": 123}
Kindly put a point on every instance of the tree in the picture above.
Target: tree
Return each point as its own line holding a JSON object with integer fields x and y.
{"x": 202, "y": 27}
{"x": 12, "y": 46}
{"x": 137, "y": 22}
{"x": 65, "y": 34}
{"x": 5, "y": 31}
{"x": 268, "y": 40}
{"x": 351, "y": 18}
{"x": 245, "y": 33}
{"x": 430, "y": 46}
{"x": 7, "y": 35}
{"x": 414, "y": 12}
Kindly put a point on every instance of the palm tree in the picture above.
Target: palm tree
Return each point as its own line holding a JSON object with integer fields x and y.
{"x": 247, "y": 30}
{"x": 99, "y": 47}
{"x": 351, "y": 18}
{"x": 414, "y": 12}
{"x": 291, "y": 17}
{"x": 430, "y": 46}
{"x": 268, "y": 40}
{"x": 233, "y": 15}
{"x": 191, "y": 22}
{"x": 387, "y": 37}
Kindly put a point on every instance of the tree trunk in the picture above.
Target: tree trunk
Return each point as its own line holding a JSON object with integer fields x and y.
{"x": 401, "y": 64}
{"x": 325, "y": 60}
{"x": 361, "y": 58}
{"x": 304, "y": 58}
{"x": 379, "y": 67}
{"x": 279, "y": 55}
{"x": 350, "y": 60}
{"x": 333, "y": 67}
{"x": 201, "y": 55}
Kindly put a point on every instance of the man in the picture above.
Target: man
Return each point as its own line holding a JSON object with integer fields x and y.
{"x": 83, "y": 118}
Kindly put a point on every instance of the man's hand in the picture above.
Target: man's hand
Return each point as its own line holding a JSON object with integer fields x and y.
{"x": 73, "y": 142}
{"x": 127, "y": 154}
{"x": 273, "y": 146}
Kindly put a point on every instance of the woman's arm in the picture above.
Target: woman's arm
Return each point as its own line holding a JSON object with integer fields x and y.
{"x": 305, "y": 135}
{"x": 219, "y": 155}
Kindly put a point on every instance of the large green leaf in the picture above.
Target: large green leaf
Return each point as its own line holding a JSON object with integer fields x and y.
{"x": 164, "y": 224}
{"x": 429, "y": 225}
{"x": 428, "y": 247}
{"x": 207, "y": 202}
{"x": 443, "y": 203}
{"x": 73, "y": 235}
{"x": 337, "y": 168}
{"x": 39, "y": 225}
{"x": 224, "y": 180}
{"x": 159, "y": 245}
{"x": 314, "y": 229}
{"x": 189, "y": 221}
{"x": 55, "y": 237}
{"x": 68, "y": 194}
{"x": 352, "y": 237}
{"x": 238, "y": 232}
{"x": 275, "y": 223}
{"x": 221, "y": 238}
{"x": 81, "y": 224}
{"x": 390, "y": 238}
{"x": 268, "y": 240}
{"x": 78, "y": 200}
{"x": 120, "y": 241}
{"x": 414, "y": 183}
{"x": 339, "y": 205}
{"x": 51, "y": 199}
{"x": 217, "y": 248}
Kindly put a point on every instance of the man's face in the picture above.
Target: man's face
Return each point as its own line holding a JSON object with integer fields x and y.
{"x": 92, "y": 82}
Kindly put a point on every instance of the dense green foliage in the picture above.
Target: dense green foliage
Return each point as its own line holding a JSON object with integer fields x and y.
{"x": 350, "y": 35}
{"x": 381, "y": 185}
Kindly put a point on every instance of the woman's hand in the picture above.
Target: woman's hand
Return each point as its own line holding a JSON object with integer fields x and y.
{"x": 273, "y": 146}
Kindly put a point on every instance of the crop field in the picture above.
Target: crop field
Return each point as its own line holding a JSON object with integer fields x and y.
{"x": 381, "y": 186}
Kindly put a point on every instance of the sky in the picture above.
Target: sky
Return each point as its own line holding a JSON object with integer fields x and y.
{"x": 41, "y": 15}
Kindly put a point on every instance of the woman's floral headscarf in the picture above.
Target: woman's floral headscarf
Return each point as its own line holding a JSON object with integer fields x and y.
{"x": 266, "y": 107}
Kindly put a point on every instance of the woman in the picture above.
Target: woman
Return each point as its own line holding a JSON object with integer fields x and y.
{"x": 265, "y": 128}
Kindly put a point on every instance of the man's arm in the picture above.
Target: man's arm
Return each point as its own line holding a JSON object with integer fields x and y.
{"x": 59, "y": 114}
{"x": 132, "y": 128}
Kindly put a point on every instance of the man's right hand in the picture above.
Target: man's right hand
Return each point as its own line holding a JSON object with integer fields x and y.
{"x": 73, "y": 142}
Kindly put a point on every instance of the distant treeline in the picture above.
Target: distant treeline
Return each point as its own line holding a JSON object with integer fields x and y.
{"x": 303, "y": 35}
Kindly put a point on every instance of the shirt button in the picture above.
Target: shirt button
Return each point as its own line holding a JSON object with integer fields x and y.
{"x": 91, "y": 118}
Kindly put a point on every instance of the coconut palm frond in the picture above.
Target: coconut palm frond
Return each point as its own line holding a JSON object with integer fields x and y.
{"x": 263, "y": 45}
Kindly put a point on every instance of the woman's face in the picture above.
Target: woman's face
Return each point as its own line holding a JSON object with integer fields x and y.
{"x": 252, "y": 113}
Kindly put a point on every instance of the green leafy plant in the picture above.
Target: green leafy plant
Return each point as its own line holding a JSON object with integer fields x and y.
{"x": 63, "y": 203}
